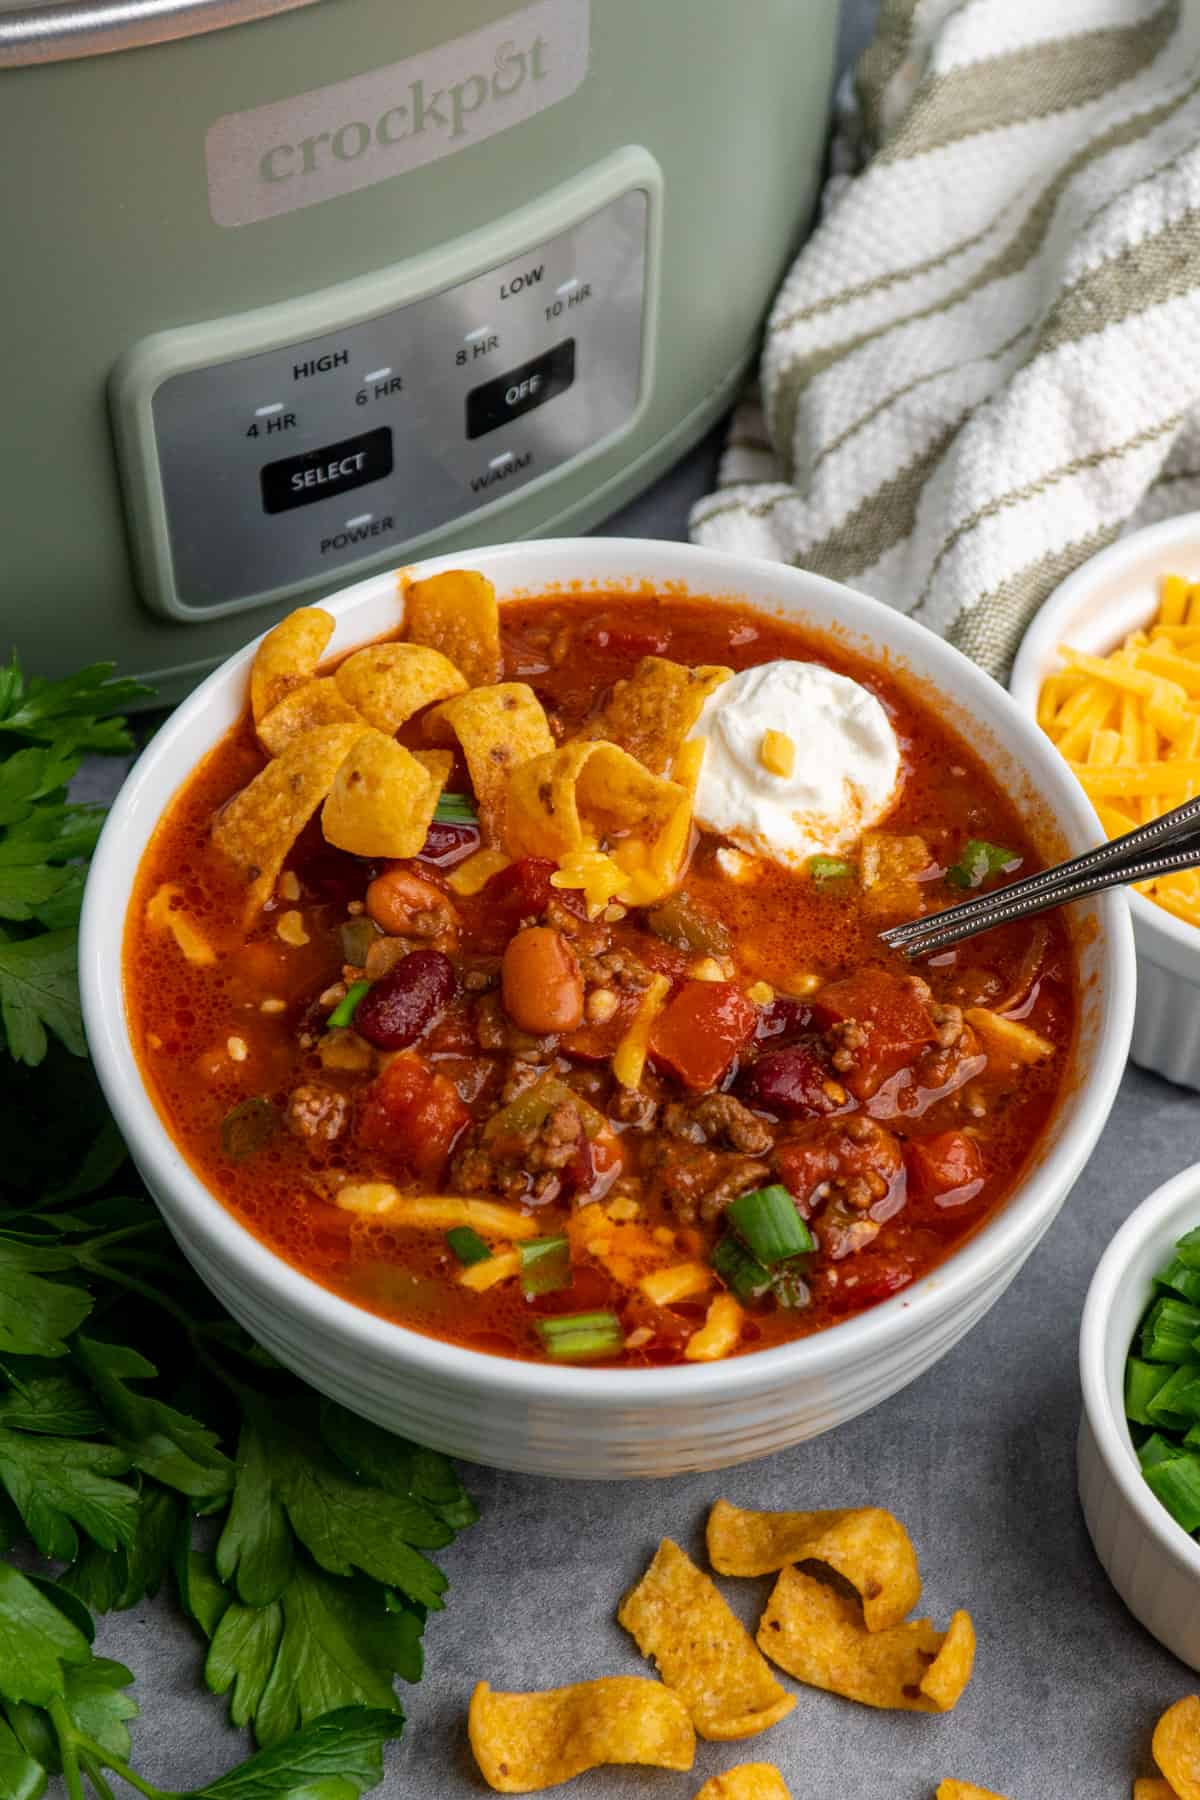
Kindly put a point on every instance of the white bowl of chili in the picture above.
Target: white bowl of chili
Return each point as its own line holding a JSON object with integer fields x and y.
{"x": 1114, "y": 593}
{"x": 581, "y": 1421}
{"x": 1151, "y": 1560}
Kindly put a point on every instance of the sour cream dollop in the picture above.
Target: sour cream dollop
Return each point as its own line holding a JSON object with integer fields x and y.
{"x": 844, "y": 772}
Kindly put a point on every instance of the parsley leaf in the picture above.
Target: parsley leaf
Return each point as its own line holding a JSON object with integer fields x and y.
{"x": 345, "y": 1746}
{"x": 161, "y": 1441}
{"x": 114, "y": 1580}
{"x": 40, "y": 1397}
{"x": 327, "y": 1643}
{"x": 21, "y": 1778}
{"x": 36, "y": 1639}
{"x": 42, "y": 709}
{"x": 38, "y": 992}
{"x": 36, "y": 1316}
{"x": 58, "y": 1483}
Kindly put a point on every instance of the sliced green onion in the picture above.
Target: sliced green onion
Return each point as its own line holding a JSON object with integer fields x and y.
{"x": 790, "y": 1287}
{"x": 1169, "y": 1331}
{"x": 581, "y": 1337}
{"x": 1188, "y": 1249}
{"x": 739, "y": 1270}
{"x": 978, "y": 860}
{"x": 830, "y": 868}
{"x": 467, "y": 1245}
{"x": 1176, "y": 1405}
{"x": 1142, "y": 1382}
{"x": 1176, "y": 1482}
{"x": 347, "y": 1006}
{"x": 767, "y": 1222}
{"x": 1181, "y": 1280}
{"x": 1191, "y": 1439}
{"x": 1157, "y": 1449}
{"x": 545, "y": 1266}
{"x": 455, "y": 809}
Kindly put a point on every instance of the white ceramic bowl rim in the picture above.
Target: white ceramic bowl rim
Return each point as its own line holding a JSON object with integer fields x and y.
{"x": 1039, "y": 650}
{"x": 201, "y": 1216}
{"x": 1109, "y": 1425}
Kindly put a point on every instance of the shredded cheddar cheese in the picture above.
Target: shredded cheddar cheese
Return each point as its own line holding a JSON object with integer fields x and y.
{"x": 629, "y": 1058}
{"x": 777, "y": 753}
{"x": 1129, "y": 726}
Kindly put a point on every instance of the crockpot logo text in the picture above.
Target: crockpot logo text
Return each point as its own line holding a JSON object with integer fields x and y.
{"x": 388, "y": 121}
{"x": 450, "y": 110}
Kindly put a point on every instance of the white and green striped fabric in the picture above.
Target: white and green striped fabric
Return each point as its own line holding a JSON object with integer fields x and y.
{"x": 985, "y": 362}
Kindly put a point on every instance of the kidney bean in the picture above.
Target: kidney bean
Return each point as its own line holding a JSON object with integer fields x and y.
{"x": 447, "y": 845}
{"x": 404, "y": 1003}
{"x": 791, "y": 1083}
{"x": 541, "y": 981}
{"x": 785, "y": 1017}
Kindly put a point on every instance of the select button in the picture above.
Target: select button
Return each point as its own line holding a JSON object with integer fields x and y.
{"x": 507, "y": 397}
{"x": 322, "y": 474}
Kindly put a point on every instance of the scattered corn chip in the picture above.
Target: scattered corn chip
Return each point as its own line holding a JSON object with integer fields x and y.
{"x": 652, "y": 712}
{"x": 1150, "y": 1787}
{"x": 163, "y": 914}
{"x": 312, "y": 703}
{"x": 287, "y": 656}
{"x": 457, "y": 614}
{"x": 383, "y": 797}
{"x": 703, "y": 1652}
{"x": 866, "y": 1546}
{"x": 387, "y": 683}
{"x": 1176, "y": 1747}
{"x": 720, "y": 1333}
{"x": 748, "y": 1781}
{"x": 589, "y": 794}
{"x": 818, "y": 1635}
{"x": 259, "y": 826}
{"x": 435, "y": 1212}
{"x": 525, "y": 1742}
{"x": 966, "y": 1790}
{"x": 500, "y": 729}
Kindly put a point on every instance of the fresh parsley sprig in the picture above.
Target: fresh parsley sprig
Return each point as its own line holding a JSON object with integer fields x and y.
{"x": 131, "y": 1408}
{"x": 45, "y": 729}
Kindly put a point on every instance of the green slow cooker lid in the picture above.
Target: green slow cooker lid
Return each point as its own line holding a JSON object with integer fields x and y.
{"x": 57, "y": 30}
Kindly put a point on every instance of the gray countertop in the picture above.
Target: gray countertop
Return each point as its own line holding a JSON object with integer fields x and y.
{"x": 977, "y": 1459}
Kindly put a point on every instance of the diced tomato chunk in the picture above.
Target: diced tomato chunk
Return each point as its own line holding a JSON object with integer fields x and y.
{"x": 895, "y": 1020}
{"x": 522, "y": 891}
{"x": 412, "y": 1116}
{"x": 834, "y": 1150}
{"x": 944, "y": 1166}
{"x": 701, "y": 1030}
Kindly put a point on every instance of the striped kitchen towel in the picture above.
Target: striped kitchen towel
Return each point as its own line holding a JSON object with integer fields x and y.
{"x": 985, "y": 363}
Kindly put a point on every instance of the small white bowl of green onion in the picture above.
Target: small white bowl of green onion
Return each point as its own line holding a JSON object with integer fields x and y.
{"x": 1139, "y": 1438}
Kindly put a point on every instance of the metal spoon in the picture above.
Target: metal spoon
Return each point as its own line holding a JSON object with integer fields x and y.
{"x": 1165, "y": 844}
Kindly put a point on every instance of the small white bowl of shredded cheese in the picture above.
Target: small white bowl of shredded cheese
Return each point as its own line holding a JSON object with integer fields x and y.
{"x": 1115, "y": 593}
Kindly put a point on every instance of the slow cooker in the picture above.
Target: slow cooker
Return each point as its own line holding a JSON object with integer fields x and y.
{"x": 295, "y": 289}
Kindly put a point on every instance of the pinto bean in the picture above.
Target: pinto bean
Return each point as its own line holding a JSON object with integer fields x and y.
{"x": 541, "y": 981}
{"x": 406, "y": 905}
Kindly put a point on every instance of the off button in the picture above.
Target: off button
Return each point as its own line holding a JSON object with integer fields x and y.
{"x": 506, "y": 398}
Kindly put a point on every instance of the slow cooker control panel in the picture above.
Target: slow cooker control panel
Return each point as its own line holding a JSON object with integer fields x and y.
{"x": 255, "y": 476}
